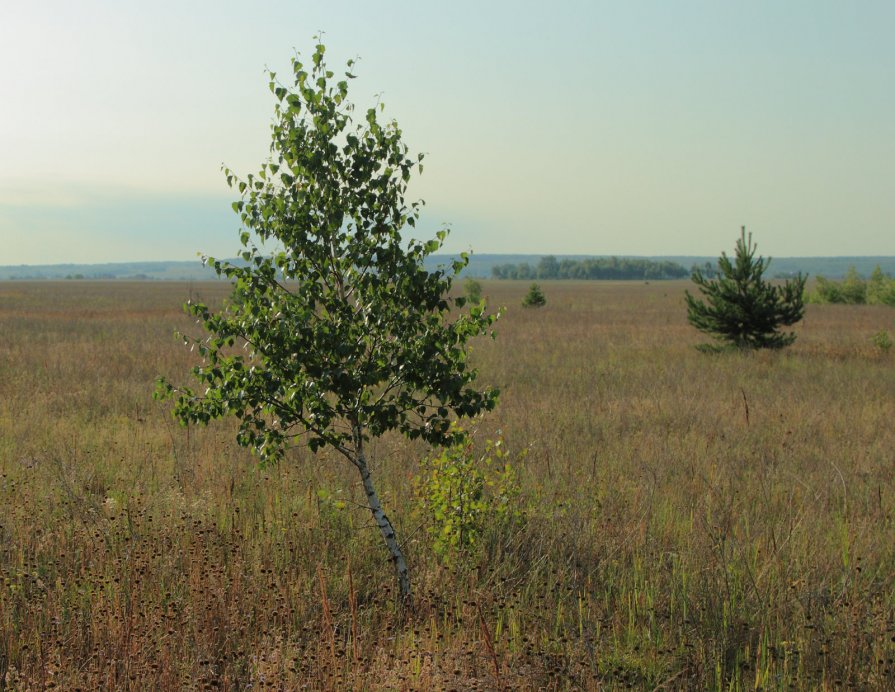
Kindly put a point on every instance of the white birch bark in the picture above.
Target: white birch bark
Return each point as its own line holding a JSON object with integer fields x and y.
{"x": 385, "y": 526}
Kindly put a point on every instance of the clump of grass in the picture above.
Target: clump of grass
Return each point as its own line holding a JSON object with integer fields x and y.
{"x": 882, "y": 340}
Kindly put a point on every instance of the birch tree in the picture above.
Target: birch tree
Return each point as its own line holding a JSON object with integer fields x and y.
{"x": 338, "y": 333}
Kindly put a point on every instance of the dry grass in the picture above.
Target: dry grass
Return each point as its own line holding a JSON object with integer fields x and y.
{"x": 694, "y": 521}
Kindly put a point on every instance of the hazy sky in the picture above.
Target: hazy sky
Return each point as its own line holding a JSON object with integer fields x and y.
{"x": 629, "y": 127}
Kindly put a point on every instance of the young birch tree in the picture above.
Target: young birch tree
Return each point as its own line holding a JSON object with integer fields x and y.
{"x": 339, "y": 334}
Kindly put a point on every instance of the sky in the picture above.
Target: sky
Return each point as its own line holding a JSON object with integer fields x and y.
{"x": 571, "y": 127}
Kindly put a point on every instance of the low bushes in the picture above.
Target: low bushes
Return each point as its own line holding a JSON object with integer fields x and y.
{"x": 855, "y": 290}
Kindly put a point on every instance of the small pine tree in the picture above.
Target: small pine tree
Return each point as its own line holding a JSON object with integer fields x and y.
{"x": 741, "y": 308}
{"x": 534, "y": 298}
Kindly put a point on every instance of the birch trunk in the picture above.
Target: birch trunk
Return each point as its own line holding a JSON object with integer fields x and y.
{"x": 385, "y": 527}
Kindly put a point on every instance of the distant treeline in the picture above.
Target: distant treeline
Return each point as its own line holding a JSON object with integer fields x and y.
{"x": 599, "y": 268}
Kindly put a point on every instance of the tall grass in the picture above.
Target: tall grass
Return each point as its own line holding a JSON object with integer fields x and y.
{"x": 693, "y": 521}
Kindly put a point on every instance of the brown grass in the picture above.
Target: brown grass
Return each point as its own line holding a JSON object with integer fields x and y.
{"x": 672, "y": 540}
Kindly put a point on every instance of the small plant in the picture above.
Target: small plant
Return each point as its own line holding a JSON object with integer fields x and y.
{"x": 462, "y": 493}
{"x": 882, "y": 340}
{"x": 473, "y": 291}
{"x": 534, "y": 298}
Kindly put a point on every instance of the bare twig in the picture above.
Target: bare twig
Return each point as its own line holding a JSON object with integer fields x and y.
{"x": 327, "y": 617}
{"x": 489, "y": 645}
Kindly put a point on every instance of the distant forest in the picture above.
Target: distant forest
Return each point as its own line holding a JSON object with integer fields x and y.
{"x": 481, "y": 266}
{"x": 601, "y": 268}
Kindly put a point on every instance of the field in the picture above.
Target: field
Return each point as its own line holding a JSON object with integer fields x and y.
{"x": 690, "y": 521}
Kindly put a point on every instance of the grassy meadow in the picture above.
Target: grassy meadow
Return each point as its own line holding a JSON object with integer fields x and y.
{"x": 691, "y": 521}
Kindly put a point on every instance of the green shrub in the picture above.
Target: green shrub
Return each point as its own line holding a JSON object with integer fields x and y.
{"x": 881, "y": 288}
{"x": 882, "y": 340}
{"x": 461, "y": 493}
{"x": 473, "y": 291}
{"x": 826, "y": 291}
{"x": 854, "y": 290}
